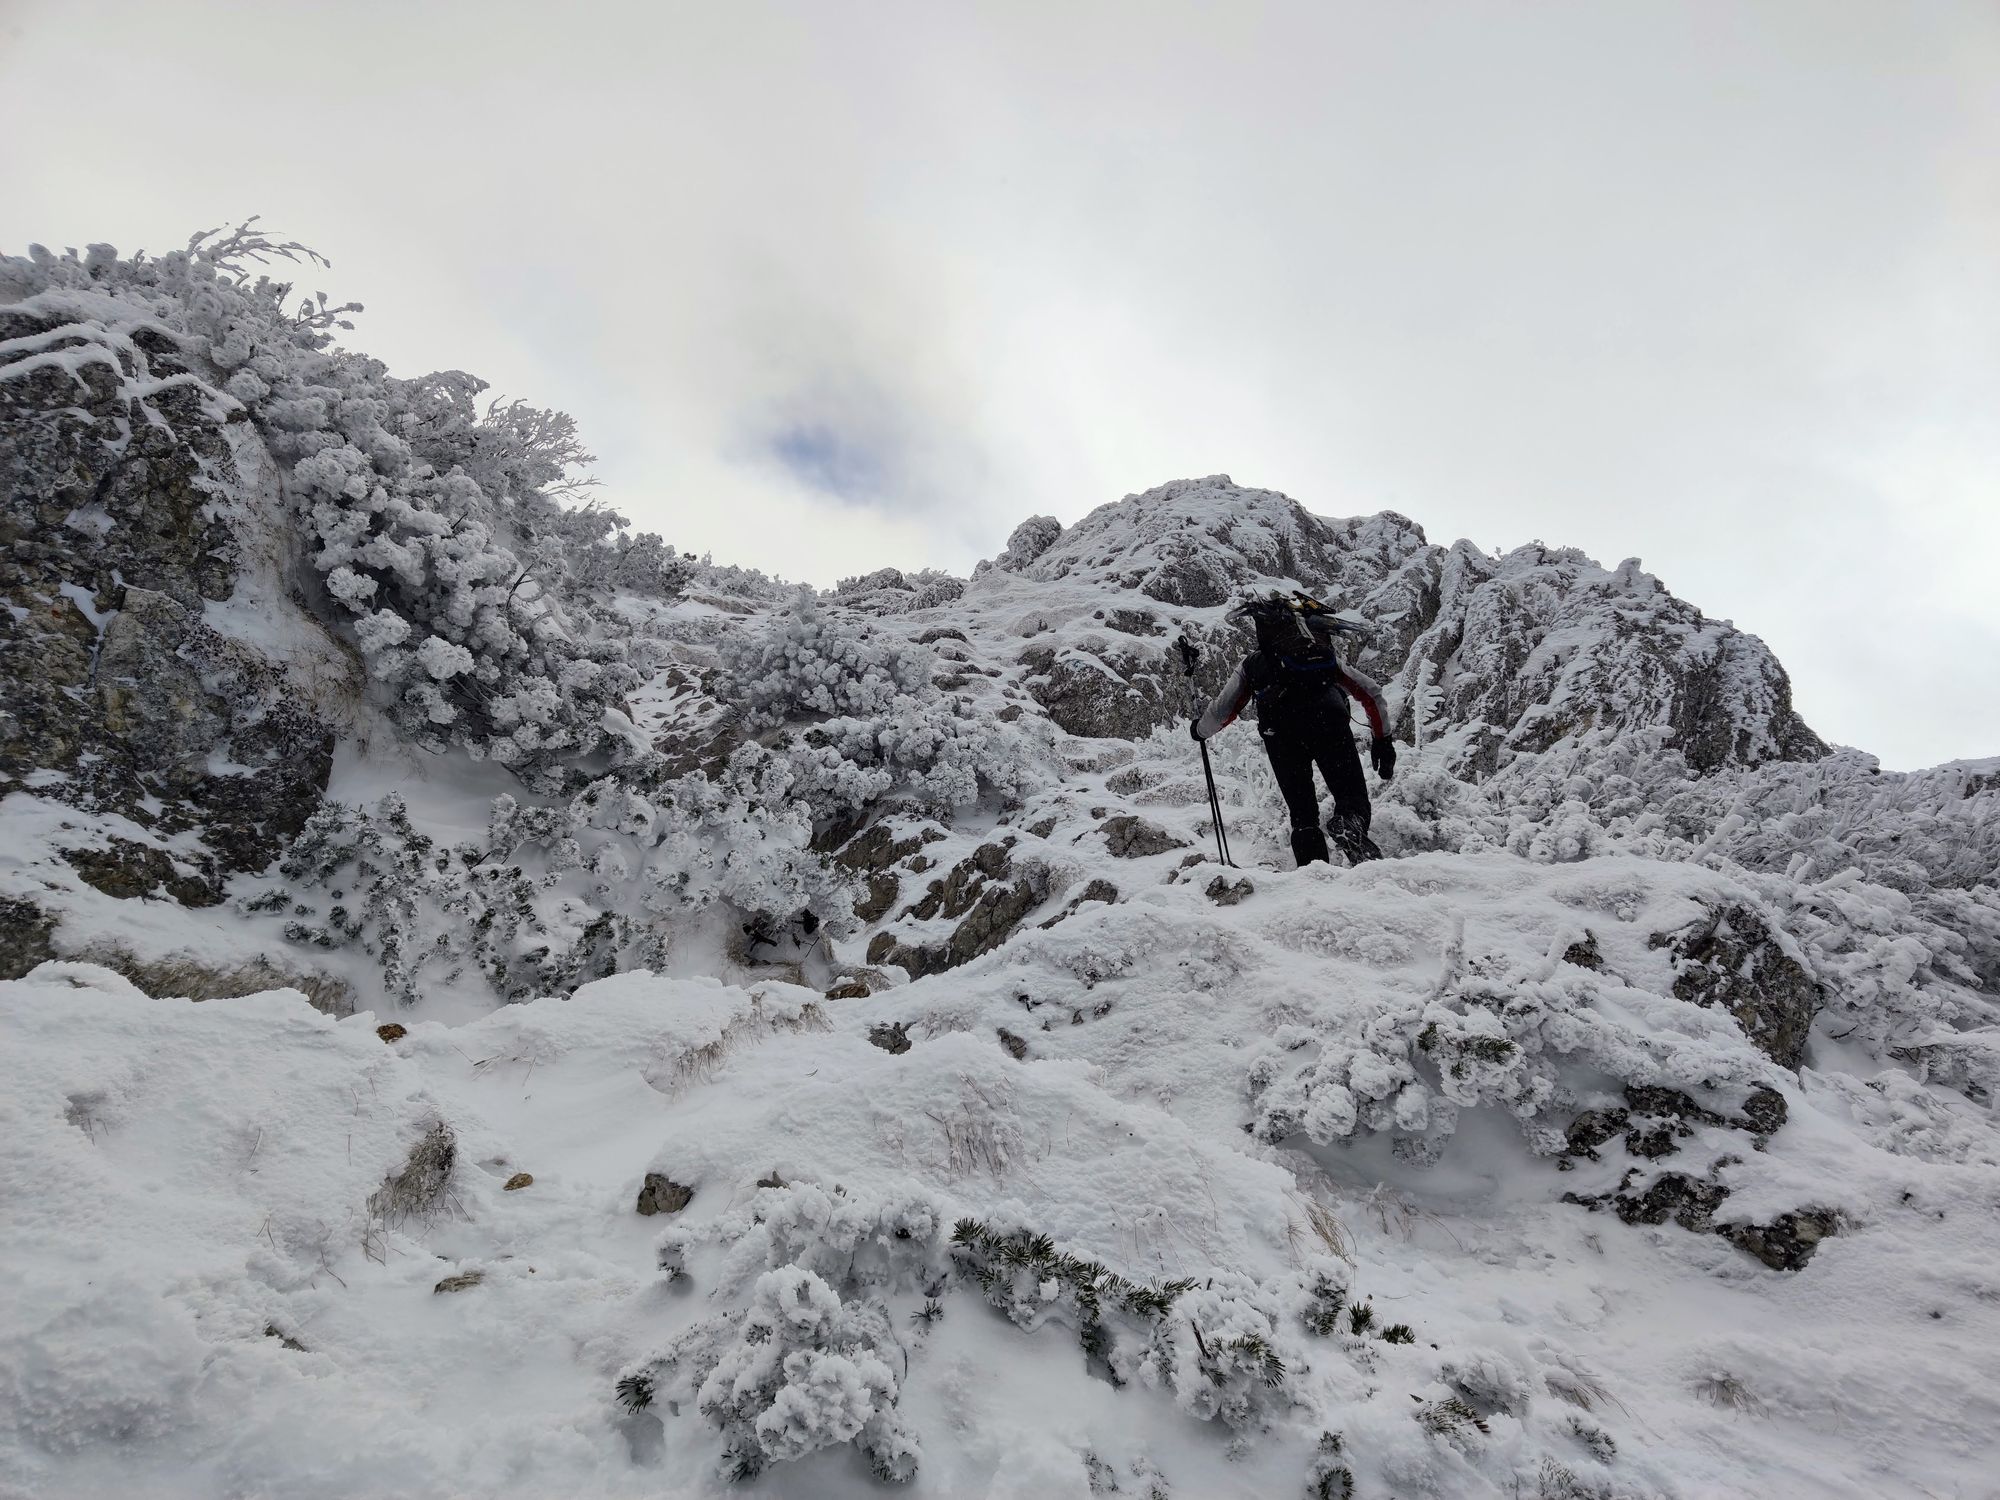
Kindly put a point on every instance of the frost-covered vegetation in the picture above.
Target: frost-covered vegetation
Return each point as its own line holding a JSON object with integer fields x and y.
{"x": 439, "y": 526}
{"x": 1628, "y": 1132}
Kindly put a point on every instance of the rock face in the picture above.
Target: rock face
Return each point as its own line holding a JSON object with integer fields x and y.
{"x": 986, "y": 892}
{"x": 1731, "y": 961}
{"x": 1116, "y": 691}
{"x": 116, "y": 693}
{"x": 25, "y": 930}
{"x": 1515, "y": 651}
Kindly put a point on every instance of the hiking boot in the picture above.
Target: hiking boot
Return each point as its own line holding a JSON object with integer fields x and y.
{"x": 1308, "y": 845}
{"x": 1350, "y": 837}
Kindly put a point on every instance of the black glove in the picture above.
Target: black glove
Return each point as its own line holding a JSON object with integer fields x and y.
{"x": 1382, "y": 751}
{"x": 1194, "y": 730}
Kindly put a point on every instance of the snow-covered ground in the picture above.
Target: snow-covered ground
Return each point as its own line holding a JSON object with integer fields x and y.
{"x": 508, "y": 1010}
{"x": 211, "y": 1295}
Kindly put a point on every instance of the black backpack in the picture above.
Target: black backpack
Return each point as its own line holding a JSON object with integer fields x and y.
{"x": 1295, "y": 630}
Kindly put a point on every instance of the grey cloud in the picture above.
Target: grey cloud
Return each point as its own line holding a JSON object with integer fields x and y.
{"x": 830, "y": 289}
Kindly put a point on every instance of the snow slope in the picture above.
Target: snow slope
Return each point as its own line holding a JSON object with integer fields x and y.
{"x": 190, "y": 1187}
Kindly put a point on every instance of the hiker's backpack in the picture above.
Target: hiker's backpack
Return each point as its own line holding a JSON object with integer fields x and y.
{"x": 1295, "y": 630}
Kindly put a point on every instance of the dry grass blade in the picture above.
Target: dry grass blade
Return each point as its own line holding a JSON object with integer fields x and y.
{"x": 422, "y": 1189}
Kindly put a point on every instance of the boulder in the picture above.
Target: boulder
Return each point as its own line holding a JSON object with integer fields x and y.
{"x": 662, "y": 1195}
{"x": 1131, "y": 837}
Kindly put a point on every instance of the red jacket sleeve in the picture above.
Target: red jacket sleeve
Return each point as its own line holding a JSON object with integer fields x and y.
{"x": 1364, "y": 691}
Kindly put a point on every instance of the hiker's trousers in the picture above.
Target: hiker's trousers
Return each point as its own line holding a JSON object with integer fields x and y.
{"x": 1309, "y": 735}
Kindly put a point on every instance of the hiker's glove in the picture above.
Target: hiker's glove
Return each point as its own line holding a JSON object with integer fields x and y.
{"x": 1382, "y": 750}
{"x": 1194, "y": 730}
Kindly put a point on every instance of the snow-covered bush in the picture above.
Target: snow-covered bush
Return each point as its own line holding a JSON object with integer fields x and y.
{"x": 806, "y": 661}
{"x": 426, "y": 914}
{"x": 930, "y": 751}
{"x": 740, "y": 839}
{"x": 1227, "y": 1352}
{"x": 797, "y": 1370}
{"x": 807, "y": 1362}
{"x": 436, "y": 525}
{"x": 870, "y": 721}
{"x": 1494, "y": 1034}
{"x": 868, "y": 1243}
{"x": 558, "y": 894}
{"x": 1224, "y": 1346}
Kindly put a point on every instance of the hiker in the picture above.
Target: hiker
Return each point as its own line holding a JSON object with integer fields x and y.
{"x": 1302, "y": 694}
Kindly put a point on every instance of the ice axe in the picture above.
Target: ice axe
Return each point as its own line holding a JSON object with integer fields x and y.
{"x": 1186, "y": 648}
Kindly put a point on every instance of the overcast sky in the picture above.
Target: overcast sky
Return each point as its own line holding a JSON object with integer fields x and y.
{"x": 833, "y": 286}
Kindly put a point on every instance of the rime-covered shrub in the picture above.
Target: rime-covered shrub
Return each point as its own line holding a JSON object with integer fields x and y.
{"x": 425, "y": 913}
{"x": 934, "y": 589}
{"x": 435, "y": 523}
{"x": 931, "y": 752}
{"x": 865, "y": 1243}
{"x": 1227, "y": 1352}
{"x": 558, "y": 894}
{"x": 797, "y": 1370}
{"x": 867, "y": 719}
{"x": 1224, "y": 1346}
{"x": 807, "y": 1362}
{"x": 1493, "y": 1034}
{"x": 740, "y": 839}
{"x": 806, "y": 662}
{"x": 1886, "y": 881}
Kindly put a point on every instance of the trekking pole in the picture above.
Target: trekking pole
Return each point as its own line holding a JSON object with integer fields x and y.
{"x": 1187, "y": 651}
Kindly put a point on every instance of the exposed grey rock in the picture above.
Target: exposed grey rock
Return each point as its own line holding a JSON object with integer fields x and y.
{"x": 957, "y": 892}
{"x": 1763, "y": 1112}
{"x": 1027, "y": 542}
{"x": 1592, "y": 1129}
{"x": 882, "y": 892}
{"x": 1455, "y": 616}
{"x": 989, "y": 904}
{"x": 1584, "y": 953}
{"x": 1097, "y": 890}
{"x": 1689, "y": 1202}
{"x": 893, "y": 1038}
{"x": 1788, "y": 1241}
{"x": 1123, "y": 692}
{"x": 25, "y": 930}
{"x": 1224, "y": 892}
{"x": 1129, "y": 781}
{"x": 190, "y": 976}
{"x": 111, "y": 543}
{"x": 1135, "y": 622}
{"x": 126, "y": 869}
{"x": 1731, "y": 960}
{"x": 1131, "y": 837}
{"x": 662, "y": 1195}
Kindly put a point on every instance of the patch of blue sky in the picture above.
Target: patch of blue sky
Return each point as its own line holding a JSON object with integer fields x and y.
{"x": 821, "y": 457}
